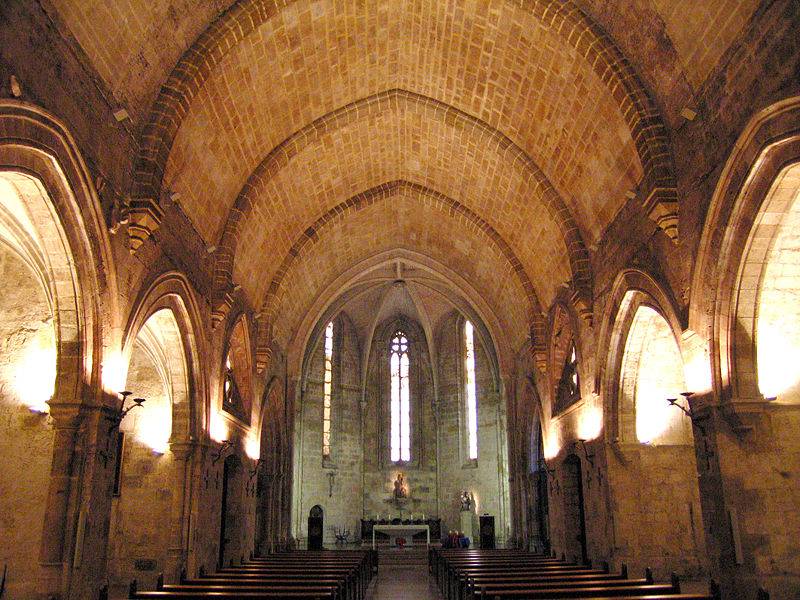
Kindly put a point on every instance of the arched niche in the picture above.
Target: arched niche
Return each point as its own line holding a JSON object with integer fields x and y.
{"x": 766, "y": 335}
{"x": 652, "y": 442}
{"x": 651, "y": 371}
{"x": 27, "y": 381}
{"x": 633, "y": 289}
{"x": 744, "y": 244}
{"x": 179, "y": 331}
{"x": 52, "y": 220}
{"x": 147, "y": 514}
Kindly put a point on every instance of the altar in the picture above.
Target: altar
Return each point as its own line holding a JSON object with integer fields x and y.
{"x": 395, "y": 531}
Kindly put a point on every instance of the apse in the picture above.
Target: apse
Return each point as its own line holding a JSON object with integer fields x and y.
{"x": 400, "y": 381}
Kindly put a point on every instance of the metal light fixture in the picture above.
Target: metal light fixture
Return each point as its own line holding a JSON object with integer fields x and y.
{"x": 589, "y": 457}
{"x": 226, "y": 445}
{"x": 687, "y": 411}
{"x": 255, "y": 469}
{"x": 122, "y": 411}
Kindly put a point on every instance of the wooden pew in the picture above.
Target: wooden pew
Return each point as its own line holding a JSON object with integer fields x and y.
{"x": 297, "y": 575}
{"x": 493, "y": 575}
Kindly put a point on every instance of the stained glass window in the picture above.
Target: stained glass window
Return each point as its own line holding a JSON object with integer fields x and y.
{"x": 471, "y": 394}
{"x": 326, "y": 392}
{"x": 400, "y": 440}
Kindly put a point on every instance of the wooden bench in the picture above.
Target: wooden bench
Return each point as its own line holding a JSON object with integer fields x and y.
{"x": 493, "y": 575}
{"x": 300, "y": 575}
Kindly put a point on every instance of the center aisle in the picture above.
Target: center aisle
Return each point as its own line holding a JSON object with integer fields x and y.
{"x": 403, "y": 575}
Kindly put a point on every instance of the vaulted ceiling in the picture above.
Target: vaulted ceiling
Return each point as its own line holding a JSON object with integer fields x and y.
{"x": 497, "y": 137}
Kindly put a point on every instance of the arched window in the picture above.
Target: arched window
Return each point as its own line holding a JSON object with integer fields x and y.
{"x": 326, "y": 392}
{"x": 232, "y": 399}
{"x": 400, "y": 441}
{"x": 569, "y": 390}
{"x": 470, "y": 391}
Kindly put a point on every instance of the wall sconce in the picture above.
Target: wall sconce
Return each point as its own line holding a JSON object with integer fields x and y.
{"x": 122, "y": 412}
{"x": 688, "y": 411}
{"x": 589, "y": 457}
{"x": 707, "y": 452}
{"x": 542, "y": 465}
{"x": 226, "y": 445}
{"x": 255, "y": 469}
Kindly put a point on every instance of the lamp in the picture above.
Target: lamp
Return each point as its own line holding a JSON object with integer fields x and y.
{"x": 589, "y": 457}
{"x": 225, "y": 445}
{"x": 122, "y": 412}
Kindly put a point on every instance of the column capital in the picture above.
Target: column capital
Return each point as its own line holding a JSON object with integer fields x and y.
{"x": 66, "y": 415}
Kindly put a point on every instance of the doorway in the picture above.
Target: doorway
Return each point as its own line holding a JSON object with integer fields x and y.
{"x": 574, "y": 511}
{"x": 315, "y": 528}
{"x": 228, "y": 516}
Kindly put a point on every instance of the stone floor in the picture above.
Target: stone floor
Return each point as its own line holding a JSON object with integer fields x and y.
{"x": 403, "y": 583}
{"x": 403, "y": 575}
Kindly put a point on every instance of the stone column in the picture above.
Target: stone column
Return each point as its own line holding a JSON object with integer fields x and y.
{"x": 66, "y": 421}
{"x": 749, "y": 462}
{"x": 180, "y": 510}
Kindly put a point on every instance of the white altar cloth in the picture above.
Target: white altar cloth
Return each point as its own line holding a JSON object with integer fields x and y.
{"x": 395, "y": 531}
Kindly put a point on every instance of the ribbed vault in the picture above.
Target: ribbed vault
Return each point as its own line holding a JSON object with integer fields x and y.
{"x": 541, "y": 73}
{"x": 404, "y": 217}
{"x": 423, "y": 142}
{"x": 524, "y": 115}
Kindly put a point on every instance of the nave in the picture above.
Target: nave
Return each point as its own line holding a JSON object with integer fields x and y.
{"x": 514, "y": 277}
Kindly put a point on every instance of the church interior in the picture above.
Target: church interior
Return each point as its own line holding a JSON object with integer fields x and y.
{"x": 307, "y": 288}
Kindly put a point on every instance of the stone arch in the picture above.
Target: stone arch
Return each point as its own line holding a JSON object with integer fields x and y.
{"x": 184, "y": 349}
{"x": 38, "y": 153}
{"x": 282, "y": 154}
{"x": 743, "y": 219}
{"x": 632, "y": 288}
{"x": 52, "y": 220}
{"x": 577, "y": 28}
{"x": 382, "y": 193}
{"x": 297, "y": 345}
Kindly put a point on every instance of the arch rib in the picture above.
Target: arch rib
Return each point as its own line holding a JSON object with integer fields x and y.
{"x": 658, "y": 189}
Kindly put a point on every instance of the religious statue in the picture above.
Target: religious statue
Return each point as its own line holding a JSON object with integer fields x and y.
{"x": 400, "y": 490}
{"x": 466, "y": 501}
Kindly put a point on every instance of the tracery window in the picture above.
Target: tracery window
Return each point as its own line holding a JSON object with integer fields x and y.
{"x": 569, "y": 384}
{"x": 400, "y": 441}
{"x": 471, "y": 394}
{"x": 326, "y": 392}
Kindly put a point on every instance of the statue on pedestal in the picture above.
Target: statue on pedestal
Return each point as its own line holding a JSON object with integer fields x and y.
{"x": 400, "y": 490}
{"x": 466, "y": 501}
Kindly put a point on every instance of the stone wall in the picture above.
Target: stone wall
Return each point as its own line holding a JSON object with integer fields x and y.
{"x": 439, "y": 468}
{"x": 26, "y": 437}
{"x": 341, "y": 497}
{"x": 485, "y": 478}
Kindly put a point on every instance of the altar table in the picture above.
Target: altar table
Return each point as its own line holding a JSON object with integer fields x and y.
{"x": 395, "y": 531}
